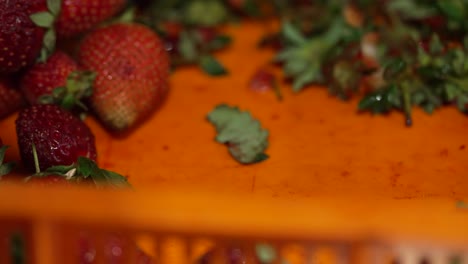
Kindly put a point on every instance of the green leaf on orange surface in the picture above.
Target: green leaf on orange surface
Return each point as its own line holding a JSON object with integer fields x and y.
{"x": 101, "y": 177}
{"x": 244, "y": 136}
{"x": 212, "y": 66}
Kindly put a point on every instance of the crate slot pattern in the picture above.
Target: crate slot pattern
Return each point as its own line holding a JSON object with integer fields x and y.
{"x": 50, "y": 243}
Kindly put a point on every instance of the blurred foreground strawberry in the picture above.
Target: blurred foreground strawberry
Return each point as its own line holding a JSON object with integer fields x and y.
{"x": 58, "y": 137}
{"x": 132, "y": 68}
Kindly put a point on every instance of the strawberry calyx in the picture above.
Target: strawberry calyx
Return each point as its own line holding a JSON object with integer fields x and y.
{"x": 84, "y": 169}
{"x": 5, "y": 168}
{"x": 46, "y": 20}
{"x": 78, "y": 86}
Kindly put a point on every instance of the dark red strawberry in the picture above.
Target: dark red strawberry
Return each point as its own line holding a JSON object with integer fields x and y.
{"x": 44, "y": 77}
{"x": 11, "y": 100}
{"x": 77, "y": 16}
{"x": 132, "y": 68}
{"x": 20, "y": 38}
{"x": 58, "y": 137}
{"x": 56, "y": 81}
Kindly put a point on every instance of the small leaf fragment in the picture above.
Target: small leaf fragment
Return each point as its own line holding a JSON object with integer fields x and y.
{"x": 212, "y": 66}
{"x": 244, "y": 136}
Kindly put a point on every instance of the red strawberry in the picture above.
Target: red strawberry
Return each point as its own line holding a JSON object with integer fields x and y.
{"x": 11, "y": 100}
{"x": 20, "y": 38}
{"x": 58, "y": 137}
{"x": 39, "y": 84}
{"x": 132, "y": 69}
{"x": 77, "y": 16}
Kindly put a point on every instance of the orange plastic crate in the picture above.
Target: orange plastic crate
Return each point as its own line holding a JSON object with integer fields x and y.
{"x": 338, "y": 185}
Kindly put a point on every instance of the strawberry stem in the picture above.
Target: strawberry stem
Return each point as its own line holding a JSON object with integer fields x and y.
{"x": 36, "y": 159}
{"x": 277, "y": 91}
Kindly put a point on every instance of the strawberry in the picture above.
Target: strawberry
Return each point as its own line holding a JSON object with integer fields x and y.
{"x": 58, "y": 137}
{"x": 77, "y": 16}
{"x": 11, "y": 100}
{"x": 56, "y": 81}
{"x": 20, "y": 38}
{"x": 132, "y": 69}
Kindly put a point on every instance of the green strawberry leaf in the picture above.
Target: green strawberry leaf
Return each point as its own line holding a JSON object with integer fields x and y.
{"x": 292, "y": 35}
{"x": 54, "y": 7}
{"x": 86, "y": 167}
{"x": 187, "y": 46}
{"x": 43, "y": 19}
{"x": 7, "y": 167}
{"x": 454, "y": 9}
{"x": 101, "y": 177}
{"x": 48, "y": 44}
{"x": 211, "y": 66}
{"x": 59, "y": 170}
{"x": 115, "y": 179}
{"x": 244, "y": 136}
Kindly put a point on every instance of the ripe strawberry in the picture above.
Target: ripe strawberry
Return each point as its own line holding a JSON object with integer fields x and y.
{"x": 11, "y": 100}
{"x": 20, "y": 38}
{"x": 132, "y": 69}
{"x": 58, "y": 137}
{"x": 56, "y": 81}
{"x": 77, "y": 16}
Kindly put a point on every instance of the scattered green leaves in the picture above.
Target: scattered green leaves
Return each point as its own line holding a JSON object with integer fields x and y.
{"x": 243, "y": 135}
{"x": 304, "y": 57}
{"x": 419, "y": 56}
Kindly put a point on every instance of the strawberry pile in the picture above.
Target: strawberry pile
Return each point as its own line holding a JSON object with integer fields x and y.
{"x": 115, "y": 70}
